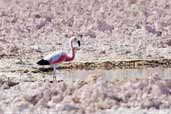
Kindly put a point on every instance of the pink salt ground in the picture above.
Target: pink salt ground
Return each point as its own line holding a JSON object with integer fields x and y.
{"x": 93, "y": 95}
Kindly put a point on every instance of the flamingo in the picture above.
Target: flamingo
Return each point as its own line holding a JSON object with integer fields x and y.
{"x": 56, "y": 58}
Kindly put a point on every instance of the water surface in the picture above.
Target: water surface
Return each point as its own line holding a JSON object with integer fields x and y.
{"x": 164, "y": 73}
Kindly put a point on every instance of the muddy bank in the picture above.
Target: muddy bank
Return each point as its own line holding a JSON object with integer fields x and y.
{"x": 127, "y": 64}
{"x": 29, "y": 67}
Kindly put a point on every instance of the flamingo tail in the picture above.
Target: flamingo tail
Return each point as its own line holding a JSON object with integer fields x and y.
{"x": 43, "y": 62}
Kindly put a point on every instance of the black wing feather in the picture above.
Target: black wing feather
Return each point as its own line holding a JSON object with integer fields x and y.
{"x": 43, "y": 62}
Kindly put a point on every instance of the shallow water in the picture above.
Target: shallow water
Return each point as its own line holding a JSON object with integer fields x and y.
{"x": 164, "y": 73}
{"x": 74, "y": 75}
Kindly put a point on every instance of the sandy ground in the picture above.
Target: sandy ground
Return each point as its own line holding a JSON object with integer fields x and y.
{"x": 111, "y": 30}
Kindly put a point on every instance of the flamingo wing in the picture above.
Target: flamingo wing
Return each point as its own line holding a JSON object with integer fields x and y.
{"x": 55, "y": 57}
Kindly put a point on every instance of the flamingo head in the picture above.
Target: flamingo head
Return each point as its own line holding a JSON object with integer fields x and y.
{"x": 75, "y": 40}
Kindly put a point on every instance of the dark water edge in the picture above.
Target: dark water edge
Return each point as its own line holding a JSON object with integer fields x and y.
{"x": 121, "y": 64}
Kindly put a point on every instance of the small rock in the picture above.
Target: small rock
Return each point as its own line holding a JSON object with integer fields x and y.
{"x": 151, "y": 29}
{"x": 22, "y": 106}
{"x": 37, "y": 16}
{"x": 102, "y": 52}
{"x": 159, "y": 33}
{"x": 36, "y": 48}
{"x": 68, "y": 107}
{"x": 57, "y": 99}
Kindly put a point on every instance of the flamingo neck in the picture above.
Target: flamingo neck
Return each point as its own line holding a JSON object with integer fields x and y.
{"x": 72, "y": 56}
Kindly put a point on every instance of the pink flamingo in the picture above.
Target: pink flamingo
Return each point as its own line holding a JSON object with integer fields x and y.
{"x": 56, "y": 58}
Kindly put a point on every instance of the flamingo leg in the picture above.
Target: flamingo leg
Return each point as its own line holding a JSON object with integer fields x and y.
{"x": 54, "y": 72}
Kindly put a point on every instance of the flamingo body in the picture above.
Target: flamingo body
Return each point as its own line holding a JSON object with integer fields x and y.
{"x": 59, "y": 57}
{"x": 55, "y": 58}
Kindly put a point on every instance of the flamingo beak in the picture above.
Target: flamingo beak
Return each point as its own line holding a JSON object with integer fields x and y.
{"x": 79, "y": 44}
